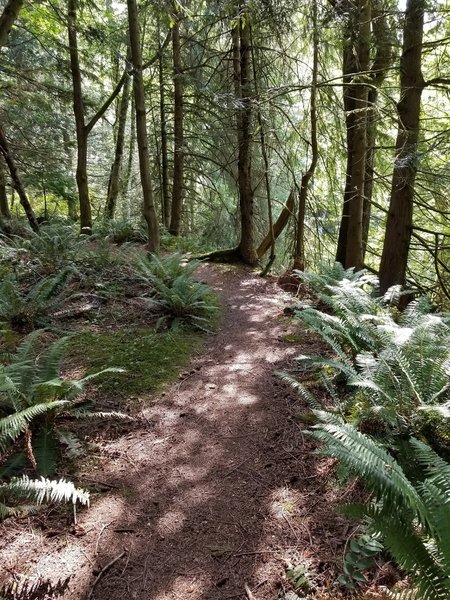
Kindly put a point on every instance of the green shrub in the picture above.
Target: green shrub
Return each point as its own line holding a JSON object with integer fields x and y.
{"x": 120, "y": 232}
{"x": 175, "y": 293}
{"x": 33, "y": 397}
{"x": 24, "y": 308}
{"x": 409, "y": 514}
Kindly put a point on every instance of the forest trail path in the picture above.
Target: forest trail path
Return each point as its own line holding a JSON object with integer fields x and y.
{"x": 219, "y": 490}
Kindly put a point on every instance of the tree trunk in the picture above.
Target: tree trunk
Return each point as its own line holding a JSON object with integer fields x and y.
{"x": 178, "y": 153}
{"x": 354, "y": 248}
{"x": 299, "y": 256}
{"x": 384, "y": 40}
{"x": 349, "y": 68}
{"x": 9, "y": 15}
{"x": 116, "y": 167}
{"x": 241, "y": 62}
{"x": 80, "y": 127}
{"x": 165, "y": 203}
{"x": 5, "y": 213}
{"x": 278, "y": 226}
{"x": 397, "y": 239}
{"x": 15, "y": 178}
{"x": 141, "y": 128}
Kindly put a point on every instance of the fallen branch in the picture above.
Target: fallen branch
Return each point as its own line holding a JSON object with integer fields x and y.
{"x": 103, "y": 571}
{"x": 248, "y": 592}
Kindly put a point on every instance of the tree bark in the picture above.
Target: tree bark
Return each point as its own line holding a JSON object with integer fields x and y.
{"x": 4, "y": 205}
{"x": 394, "y": 258}
{"x": 178, "y": 152}
{"x": 165, "y": 203}
{"x": 116, "y": 167}
{"x": 241, "y": 62}
{"x": 354, "y": 247}
{"x": 17, "y": 182}
{"x": 141, "y": 128}
{"x": 80, "y": 127}
{"x": 299, "y": 255}
{"x": 278, "y": 226}
{"x": 9, "y": 15}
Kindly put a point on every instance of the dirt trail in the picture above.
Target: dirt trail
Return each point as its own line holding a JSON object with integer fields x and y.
{"x": 219, "y": 491}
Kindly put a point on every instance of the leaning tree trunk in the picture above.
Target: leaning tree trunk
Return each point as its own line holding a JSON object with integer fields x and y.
{"x": 116, "y": 167}
{"x": 278, "y": 226}
{"x": 178, "y": 152}
{"x": 241, "y": 62}
{"x": 17, "y": 182}
{"x": 394, "y": 258}
{"x": 80, "y": 127}
{"x": 141, "y": 128}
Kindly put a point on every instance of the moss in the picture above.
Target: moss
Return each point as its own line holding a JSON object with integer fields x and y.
{"x": 150, "y": 359}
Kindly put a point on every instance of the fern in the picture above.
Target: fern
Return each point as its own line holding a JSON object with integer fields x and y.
{"x": 412, "y": 518}
{"x": 175, "y": 293}
{"x": 44, "y": 490}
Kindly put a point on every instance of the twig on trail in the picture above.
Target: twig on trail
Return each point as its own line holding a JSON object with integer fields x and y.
{"x": 103, "y": 571}
{"x": 248, "y": 592}
{"x": 256, "y": 552}
{"x": 100, "y": 535}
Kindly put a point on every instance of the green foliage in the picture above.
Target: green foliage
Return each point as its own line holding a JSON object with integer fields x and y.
{"x": 393, "y": 367}
{"x": 54, "y": 247}
{"x": 411, "y": 516}
{"x": 358, "y": 558}
{"x": 175, "y": 293}
{"x": 22, "y": 308}
{"x": 149, "y": 359}
{"x": 120, "y": 231}
{"x": 33, "y": 396}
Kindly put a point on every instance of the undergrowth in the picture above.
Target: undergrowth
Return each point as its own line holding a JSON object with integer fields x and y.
{"x": 149, "y": 359}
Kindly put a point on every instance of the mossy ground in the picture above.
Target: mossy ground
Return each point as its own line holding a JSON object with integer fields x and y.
{"x": 150, "y": 359}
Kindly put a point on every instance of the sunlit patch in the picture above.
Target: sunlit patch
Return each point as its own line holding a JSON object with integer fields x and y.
{"x": 284, "y": 502}
{"x": 171, "y": 522}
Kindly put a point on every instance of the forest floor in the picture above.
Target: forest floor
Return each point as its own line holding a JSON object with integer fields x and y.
{"x": 215, "y": 493}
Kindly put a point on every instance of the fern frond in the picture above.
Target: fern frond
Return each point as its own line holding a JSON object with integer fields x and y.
{"x": 44, "y": 490}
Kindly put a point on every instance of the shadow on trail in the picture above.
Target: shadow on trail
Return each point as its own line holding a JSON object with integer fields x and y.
{"x": 218, "y": 492}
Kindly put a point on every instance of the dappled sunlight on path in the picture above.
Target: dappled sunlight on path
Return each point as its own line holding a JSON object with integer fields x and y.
{"x": 217, "y": 490}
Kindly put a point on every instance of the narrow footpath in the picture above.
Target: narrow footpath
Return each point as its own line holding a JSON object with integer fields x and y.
{"x": 219, "y": 493}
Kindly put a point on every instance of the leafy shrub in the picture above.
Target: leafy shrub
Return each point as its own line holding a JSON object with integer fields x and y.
{"x": 32, "y": 398}
{"x": 53, "y": 248}
{"x": 22, "y": 309}
{"x": 392, "y": 367}
{"x": 120, "y": 232}
{"x": 176, "y": 294}
{"x": 410, "y": 514}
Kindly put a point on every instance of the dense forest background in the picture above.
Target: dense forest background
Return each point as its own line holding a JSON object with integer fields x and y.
{"x": 233, "y": 124}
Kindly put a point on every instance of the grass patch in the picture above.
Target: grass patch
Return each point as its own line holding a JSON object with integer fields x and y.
{"x": 150, "y": 359}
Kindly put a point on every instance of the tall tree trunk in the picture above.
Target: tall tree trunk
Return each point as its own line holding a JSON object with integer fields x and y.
{"x": 80, "y": 127}
{"x": 141, "y": 128}
{"x": 394, "y": 258}
{"x": 7, "y": 18}
{"x": 354, "y": 248}
{"x": 125, "y": 185}
{"x": 116, "y": 167}
{"x": 178, "y": 151}
{"x": 4, "y": 205}
{"x": 299, "y": 256}
{"x": 383, "y": 40}
{"x": 165, "y": 203}
{"x": 241, "y": 62}
{"x": 17, "y": 182}
{"x": 349, "y": 68}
